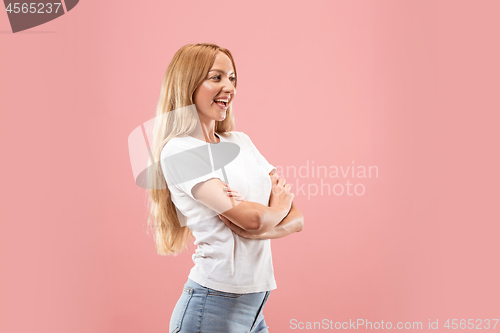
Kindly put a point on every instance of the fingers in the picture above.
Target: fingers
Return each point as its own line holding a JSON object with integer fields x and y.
{"x": 277, "y": 179}
{"x": 281, "y": 182}
{"x": 236, "y": 196}
{"x": 277, "y": 182}
{"x": 233, "y": 193}
{"x": 274, "y": 178}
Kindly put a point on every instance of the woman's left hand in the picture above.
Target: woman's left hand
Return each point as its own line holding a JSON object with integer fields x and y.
{"x": 240, "y": 231}
{"x": 236, "y": 229}
{"x": 232, "y": 193}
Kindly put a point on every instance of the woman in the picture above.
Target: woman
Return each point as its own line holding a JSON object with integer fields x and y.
{"x": 212, "y": 183}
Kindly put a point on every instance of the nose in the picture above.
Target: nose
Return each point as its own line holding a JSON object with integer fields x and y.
{"x": 228, "y": 87}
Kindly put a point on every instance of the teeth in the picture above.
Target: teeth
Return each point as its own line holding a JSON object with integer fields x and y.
{"x": 221, "y": 100}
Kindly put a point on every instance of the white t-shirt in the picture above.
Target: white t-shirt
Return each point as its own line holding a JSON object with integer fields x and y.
{"x": 223, "y": 260}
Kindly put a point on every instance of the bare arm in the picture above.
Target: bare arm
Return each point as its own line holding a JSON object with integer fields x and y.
{"x": 250, "y": 216}
{"x": 293, "y": 222}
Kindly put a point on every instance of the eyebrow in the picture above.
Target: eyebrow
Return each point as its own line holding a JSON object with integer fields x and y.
{"x": 220, "y": 70}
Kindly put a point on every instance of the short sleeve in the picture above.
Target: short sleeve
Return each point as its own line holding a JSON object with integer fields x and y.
{"x": 261, "y": 160}
{"x": 187, "y": 167}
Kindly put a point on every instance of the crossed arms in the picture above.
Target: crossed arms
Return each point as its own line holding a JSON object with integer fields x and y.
{"x": 251, "y": 219}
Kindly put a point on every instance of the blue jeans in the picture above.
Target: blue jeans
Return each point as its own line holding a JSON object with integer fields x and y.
{"x": 205, "y": 310}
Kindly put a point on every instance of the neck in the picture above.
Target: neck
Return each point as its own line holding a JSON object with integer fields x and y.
{"x": 205, "y": 131}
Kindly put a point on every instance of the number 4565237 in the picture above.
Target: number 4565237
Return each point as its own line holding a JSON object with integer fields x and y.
{"x": 31, "y": 7}
{"x": 463, "y": 324}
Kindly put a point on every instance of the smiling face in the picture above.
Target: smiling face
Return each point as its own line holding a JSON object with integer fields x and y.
{"x": 213, "y": 95}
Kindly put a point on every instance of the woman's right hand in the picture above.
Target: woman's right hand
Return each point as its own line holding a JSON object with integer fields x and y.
{"x": 280, "y": 193}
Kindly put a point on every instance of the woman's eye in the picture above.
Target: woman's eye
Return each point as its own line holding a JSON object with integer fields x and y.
{"x": 218, "y": 77}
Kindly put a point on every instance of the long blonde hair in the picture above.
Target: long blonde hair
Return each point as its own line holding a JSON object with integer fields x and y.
{"x": 187, "y": 70}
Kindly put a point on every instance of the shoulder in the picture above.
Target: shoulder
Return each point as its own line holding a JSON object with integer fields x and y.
{"x": 176, "y": 145}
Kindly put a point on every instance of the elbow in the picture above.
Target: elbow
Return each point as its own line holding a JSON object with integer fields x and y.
{"x": 258, "y": 226}
{"x": 255, "y": 222}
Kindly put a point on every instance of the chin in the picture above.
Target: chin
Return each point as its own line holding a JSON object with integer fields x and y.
{"x": 221, "y": 117}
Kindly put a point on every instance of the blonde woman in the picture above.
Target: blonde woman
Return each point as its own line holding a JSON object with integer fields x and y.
{"x": 212, "y": 183}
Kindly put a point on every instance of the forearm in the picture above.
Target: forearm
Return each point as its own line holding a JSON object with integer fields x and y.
{"x": 269, "y": 217}
{"x": 293, "y": 222}
{"x": 256, "y": 219}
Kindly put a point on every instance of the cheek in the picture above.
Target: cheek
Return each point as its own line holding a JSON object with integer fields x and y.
{"x": 206, "y": 93}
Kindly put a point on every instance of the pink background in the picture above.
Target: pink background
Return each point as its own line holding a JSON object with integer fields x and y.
{"x": 408, "y": 86}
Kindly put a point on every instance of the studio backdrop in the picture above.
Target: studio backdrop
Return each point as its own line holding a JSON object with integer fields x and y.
{"x": 383, "y": 115}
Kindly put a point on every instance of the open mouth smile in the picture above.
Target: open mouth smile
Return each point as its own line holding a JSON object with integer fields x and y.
{"x": 222, "y": 103}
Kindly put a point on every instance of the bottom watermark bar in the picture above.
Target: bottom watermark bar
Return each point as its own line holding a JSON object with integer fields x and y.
{"x": 327, "y": 324}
